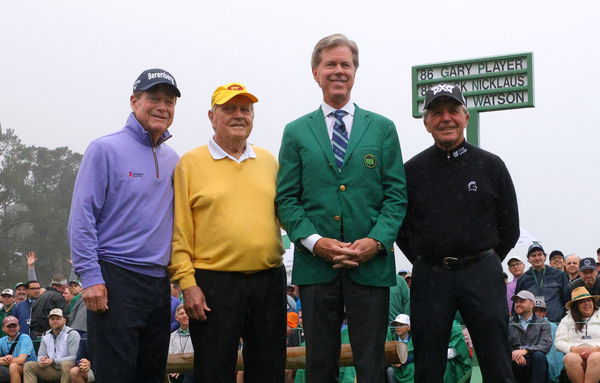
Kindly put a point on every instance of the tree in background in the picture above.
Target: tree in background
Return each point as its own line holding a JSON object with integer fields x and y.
{"x": 36, "y": 184}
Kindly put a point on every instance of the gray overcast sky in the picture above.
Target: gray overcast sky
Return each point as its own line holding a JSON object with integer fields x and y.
{"x": 68, "y": 68}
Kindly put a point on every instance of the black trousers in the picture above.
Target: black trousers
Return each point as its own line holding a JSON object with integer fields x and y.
{"x": 129, "y": 342}
{"x": 248, "y": 306}
{"x": 323, "y": 313}
{"x": 479, "y": 293}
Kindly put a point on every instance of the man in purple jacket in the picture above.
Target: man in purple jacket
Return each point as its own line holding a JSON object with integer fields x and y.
{"x": 120, "y": 236}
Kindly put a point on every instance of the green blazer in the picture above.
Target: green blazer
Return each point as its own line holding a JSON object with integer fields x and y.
{"x": 366, "y": 199}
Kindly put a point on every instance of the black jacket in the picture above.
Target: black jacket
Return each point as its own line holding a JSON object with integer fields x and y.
{"x": 51, "y": 299}
{"x": 595, "y": 290}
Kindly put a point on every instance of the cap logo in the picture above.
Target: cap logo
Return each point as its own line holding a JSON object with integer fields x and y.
{"x": 235, "y": 87}
{"x": 442, "y": 88}
{"x": 161, "y": 75}
{"x": 135, "y": 85}
{"x": 587, "y": 262}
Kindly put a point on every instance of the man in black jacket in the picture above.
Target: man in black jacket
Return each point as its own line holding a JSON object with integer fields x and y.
{"x": 462, "y": 220}
{"x": 543, "y": 280}
{"x": 530, "y": 339}
{"x": 588, "y": 277}
{"x": 51, "y": 299}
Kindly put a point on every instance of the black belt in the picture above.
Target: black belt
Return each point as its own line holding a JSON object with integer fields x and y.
{"x": 453, "y": 263}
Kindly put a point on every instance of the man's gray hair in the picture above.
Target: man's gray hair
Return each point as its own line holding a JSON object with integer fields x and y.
{"x": 333, "y": 41}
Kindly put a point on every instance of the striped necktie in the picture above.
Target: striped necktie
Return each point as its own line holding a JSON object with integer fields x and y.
{"x": 339, "y": 138}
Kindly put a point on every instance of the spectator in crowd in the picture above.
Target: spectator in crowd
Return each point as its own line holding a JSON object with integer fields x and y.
{"x": 554, "y": 358}
{"x": 403, "y": 372}
{"x": 408, "y": 279}
{"x": 67, "y": 295}
{"x": 293, "y": 332}
{"x": 49, "y": 300}
{"x": 456, "y": 253}
{"x": 180, "y": 343}
{"x": 15, "y": 349}
{"x": 8, "y": 304}
{"x": 516, "y": 267}
{"x": 557, "y": 260}
{"x": 77, "y": 311}
{"x": 58, "y": 350}
{"x": 175, "y": 302}
{"x": 230, "y": 270}
{"x": 82, "y": 372}
{"x": 330, "y": 159}
{"x": 598, "y": 257}
{"x": 578, "y": 336}
{"x": 20, "y": 292}
{"x": 530, "y": 340}
{"x": 31, "y": 260}
{"x": 543, "y": 280}
{"x": 23, "y": 309}
{"x": 120, "y": 230}
{"x": 588, "y": 277}
{"x": 399, "y": 298}
{"x": 572, "y": 267}
{"x": 292, "y": 291}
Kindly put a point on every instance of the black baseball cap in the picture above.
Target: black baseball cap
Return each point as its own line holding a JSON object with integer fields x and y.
{"x": 587, "y": 264}
{"x": 443, "y": 90}
{"x": 533, "y": 247}
{"x": 153, "y": 77}
{"x": 556, "y": 253}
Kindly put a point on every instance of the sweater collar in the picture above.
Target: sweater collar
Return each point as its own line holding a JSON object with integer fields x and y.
{"x": 454, "y": 154}
{"x": 133, "y": 126}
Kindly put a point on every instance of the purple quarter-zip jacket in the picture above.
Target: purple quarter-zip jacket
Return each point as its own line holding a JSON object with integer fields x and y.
{"x": 122, "y": 206}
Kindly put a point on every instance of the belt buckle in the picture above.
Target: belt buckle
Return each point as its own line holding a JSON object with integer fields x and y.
{"x": 449, "y": 263}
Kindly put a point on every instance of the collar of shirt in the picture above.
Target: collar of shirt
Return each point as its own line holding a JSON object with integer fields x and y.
{"x": 330, "y": 120}
{"x": 525, "y": 321}
{"x": 218, "y": 153}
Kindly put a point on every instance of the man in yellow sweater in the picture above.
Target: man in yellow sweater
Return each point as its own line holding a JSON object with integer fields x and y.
{"x": 227, "y": 249}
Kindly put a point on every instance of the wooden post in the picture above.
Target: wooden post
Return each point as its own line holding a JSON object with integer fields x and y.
{"x": 296, "y": 358}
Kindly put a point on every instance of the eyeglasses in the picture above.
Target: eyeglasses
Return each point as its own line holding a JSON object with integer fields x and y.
{"x": 515, "y": 264}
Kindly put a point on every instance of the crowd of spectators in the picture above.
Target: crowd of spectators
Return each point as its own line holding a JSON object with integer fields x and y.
{"x": 554, "y": 326}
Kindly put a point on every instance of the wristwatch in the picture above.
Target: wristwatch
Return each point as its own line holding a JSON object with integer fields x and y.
{"x": 380, "y": 246}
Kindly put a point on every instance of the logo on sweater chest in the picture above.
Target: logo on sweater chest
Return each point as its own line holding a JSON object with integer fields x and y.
{"x": 133, "y": 174}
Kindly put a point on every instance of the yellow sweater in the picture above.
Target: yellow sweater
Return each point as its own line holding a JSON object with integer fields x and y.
{"x": 225, "y": 216}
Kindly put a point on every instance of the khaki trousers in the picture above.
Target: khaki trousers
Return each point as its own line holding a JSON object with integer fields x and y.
{"x": 32, "y": 371}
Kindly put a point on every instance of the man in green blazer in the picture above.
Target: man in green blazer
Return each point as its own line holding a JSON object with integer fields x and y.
{"x": 341, "y": 197}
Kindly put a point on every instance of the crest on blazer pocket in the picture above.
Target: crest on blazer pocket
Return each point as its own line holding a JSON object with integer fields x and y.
{"x": 370, "y": 161}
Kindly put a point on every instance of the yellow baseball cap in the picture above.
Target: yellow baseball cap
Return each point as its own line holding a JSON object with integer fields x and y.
{"x": 226, "y": 92}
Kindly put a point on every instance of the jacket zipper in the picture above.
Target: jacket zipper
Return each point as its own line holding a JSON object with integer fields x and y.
{"x": 156, "y": 157}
